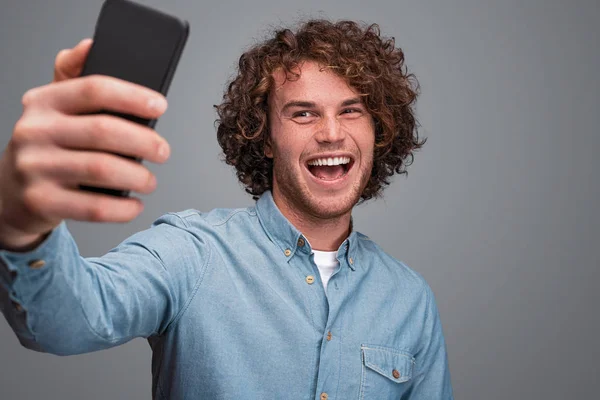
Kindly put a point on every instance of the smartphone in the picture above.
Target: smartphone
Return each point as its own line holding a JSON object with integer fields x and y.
{"x": 139, "y": 44}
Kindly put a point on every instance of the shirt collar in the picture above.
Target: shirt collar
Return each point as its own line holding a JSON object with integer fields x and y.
{"x": 289, "y": 239}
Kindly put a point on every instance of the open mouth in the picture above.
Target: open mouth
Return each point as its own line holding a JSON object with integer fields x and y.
{"x": 330, "y": 168}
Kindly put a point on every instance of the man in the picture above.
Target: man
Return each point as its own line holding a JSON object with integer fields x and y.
{"x": 280, "y": 300}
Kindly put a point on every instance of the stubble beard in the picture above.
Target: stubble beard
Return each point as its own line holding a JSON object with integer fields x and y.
{"x": 305, "y": 204}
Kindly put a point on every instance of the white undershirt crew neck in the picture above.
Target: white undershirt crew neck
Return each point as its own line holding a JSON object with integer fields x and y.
{"x": 327, "y": 263}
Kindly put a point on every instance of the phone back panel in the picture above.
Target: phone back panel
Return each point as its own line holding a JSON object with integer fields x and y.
{"x": 138, "y": 44}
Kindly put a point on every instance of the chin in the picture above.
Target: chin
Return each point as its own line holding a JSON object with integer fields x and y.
{"x": 308, "y": 195}
{"x": 328, "y": 205}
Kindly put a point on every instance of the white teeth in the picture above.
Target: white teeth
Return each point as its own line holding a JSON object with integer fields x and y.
{"x": 330, "y": 161}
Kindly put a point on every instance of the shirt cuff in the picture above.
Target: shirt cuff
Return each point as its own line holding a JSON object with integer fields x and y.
{"x": 15, "y": 265}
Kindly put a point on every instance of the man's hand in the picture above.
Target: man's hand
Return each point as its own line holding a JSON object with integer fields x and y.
{"x": 55, "y": 147}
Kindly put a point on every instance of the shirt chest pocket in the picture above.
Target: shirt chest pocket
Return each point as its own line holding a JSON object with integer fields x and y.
{"x": 386, "y": 372}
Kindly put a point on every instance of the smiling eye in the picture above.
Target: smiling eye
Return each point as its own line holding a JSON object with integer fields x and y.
{"x": 352, "y": 112}
{"x": 302, "y": 114}
{"x": 304, "y": 117}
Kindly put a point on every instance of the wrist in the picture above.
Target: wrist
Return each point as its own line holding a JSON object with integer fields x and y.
{"x": 15, "y": 241}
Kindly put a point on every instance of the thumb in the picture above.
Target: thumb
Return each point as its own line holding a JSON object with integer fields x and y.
{"x": 69, "y": 62}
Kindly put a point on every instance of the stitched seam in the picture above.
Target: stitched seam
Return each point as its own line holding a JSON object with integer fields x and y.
{"x": 232, "y": 214}
{"x": 28, "y": 316}
{"x": 115, "y": 340}
{"x": 402, "y": 352}
{"x": 264, "y": 227}
{"x": 337, "y": 390}
{"x": 376, "y": 368}
{"x": 85, "y": 316}
{"x": 315, "y": 353}
{"x": 426, "y": 317}
{"x": 385, "y": 374}
{"x": 314, "y": 357}
{"x": 87, "y": 321}
{"x": 196, "y": 287}
{"x": 198, "y": 281}
{"x": 28, "y": 323}
{"x": 186, "y": 305}
{"x": 363, "y": 372}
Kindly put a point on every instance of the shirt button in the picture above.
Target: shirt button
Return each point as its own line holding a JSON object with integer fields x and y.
{"x": 351, "y": 261}
{"x": 324, "y": 396}
{"x": 301, "y": 242}
{"x": 287, "y": 252}
{"x": 17, "y": 307}
{"x": 396, "y": 374}
{"x": 310, "y": 279}
{"x": 329, "y": 336}
{"x": 37, "y": 264}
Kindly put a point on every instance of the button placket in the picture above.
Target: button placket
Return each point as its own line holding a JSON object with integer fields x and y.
{"x": 330, "y": 348}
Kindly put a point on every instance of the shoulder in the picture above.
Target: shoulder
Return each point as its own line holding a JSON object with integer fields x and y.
{"x": 191, "y": 219}
{"x": 385, "y": 266}
{"x": 193, "y": 235}
{"x": 214, "y": 227}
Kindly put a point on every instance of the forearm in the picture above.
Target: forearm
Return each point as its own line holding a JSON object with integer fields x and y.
{"x": 59, "y": 302}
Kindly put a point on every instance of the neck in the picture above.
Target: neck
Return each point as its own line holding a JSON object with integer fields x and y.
{"x": 325, "y": 234}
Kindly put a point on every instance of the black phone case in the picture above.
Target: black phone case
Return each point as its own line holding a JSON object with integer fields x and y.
{"x": 139, "y": 44}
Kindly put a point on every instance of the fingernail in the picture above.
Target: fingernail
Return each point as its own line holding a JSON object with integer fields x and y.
{"x": 158, "y": 104}
{"x": 163, "y": 151}
{"x": 152, "y": 181}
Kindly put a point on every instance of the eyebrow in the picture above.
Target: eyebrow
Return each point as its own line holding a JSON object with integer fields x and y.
{"x": 298, "y": 104}
{"x": 351, "y": 102}
{"x": 310, "y": 104}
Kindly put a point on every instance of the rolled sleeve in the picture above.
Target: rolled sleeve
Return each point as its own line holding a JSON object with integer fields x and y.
{"x": 22, "y": 274}
{"x": 59, "y": 302}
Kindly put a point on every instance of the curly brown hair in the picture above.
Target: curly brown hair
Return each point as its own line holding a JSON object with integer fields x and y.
{"x": 369, "y": 63}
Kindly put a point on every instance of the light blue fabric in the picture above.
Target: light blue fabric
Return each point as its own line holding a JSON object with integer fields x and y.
{"x": 224, "y": 300}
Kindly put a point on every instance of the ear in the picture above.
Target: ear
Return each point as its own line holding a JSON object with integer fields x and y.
{"x": 268, "y": 149}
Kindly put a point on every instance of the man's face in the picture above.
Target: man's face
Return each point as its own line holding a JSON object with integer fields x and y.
{"x": 322, "y": 140}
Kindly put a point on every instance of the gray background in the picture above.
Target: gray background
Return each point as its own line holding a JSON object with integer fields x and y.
{"x": 498, "y": 211}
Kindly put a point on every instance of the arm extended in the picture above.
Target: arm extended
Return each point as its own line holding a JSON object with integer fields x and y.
{"x": 59, "y": 302}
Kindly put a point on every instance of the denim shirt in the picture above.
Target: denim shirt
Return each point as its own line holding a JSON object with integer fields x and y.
{"x": 232, "y": 305}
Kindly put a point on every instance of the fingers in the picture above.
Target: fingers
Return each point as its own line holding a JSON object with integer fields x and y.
{"x": 72, "y": 168}
{"x": 101, "y": 170}
{"x": 61, "y": 142}
{"x": 90, "y": 132}
{"x": 111, "y": 134}
{"x": 80, "y": 205}
{"x": 69, "y": 62}
{"x": 95, "y": 93}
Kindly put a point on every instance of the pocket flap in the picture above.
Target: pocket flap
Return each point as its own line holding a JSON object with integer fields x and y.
{"x": 394, "y": 364}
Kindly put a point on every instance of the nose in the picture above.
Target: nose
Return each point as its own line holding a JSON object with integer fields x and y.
{"x": 330, "y": 130}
